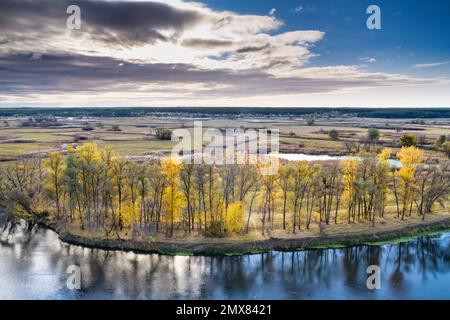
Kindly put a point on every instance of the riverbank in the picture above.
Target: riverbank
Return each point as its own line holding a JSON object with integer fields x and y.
{"x": 226, "y": 247}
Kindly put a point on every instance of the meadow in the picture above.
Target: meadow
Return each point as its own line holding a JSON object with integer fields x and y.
{"x": 135, "y": 136}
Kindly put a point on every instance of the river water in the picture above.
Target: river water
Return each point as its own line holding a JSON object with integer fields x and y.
{"x": 325, "y": 157}
{"x": 34, "y": 266}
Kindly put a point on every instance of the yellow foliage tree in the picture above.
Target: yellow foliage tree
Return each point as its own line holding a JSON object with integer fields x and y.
{"x": 234, "y": 221}
{"x": 173, "y": 196}
{"x": 350, "y": 175}
{"x": 381, "y": 179}
{"x": 410, "y": 157}
{"x": 269, "y": 190}
{"x": 130, "y": 214}
{"x": 55, "y": 166}
{"x": 89, "y": 153}
{"x": 385, "y": 154}
{"x": 90, "y": 169}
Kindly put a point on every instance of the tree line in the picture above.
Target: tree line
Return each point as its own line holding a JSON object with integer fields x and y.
{"x": 386, "y": 113}
{"x": 98, "y": 190}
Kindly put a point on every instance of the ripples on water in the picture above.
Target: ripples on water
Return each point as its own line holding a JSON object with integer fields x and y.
{"x": 33, "y": 266}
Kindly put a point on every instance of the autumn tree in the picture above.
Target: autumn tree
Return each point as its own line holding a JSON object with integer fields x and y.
{"x": 299, "y": 183}
{"x": 381, "y": 180}
{"x": 446, "y": 148}
{"x": 313, "y": 192}
{"x": 21, "y": 189}
{"x": 256, "y": 189}
{"x": 173, "y": 198}
{"x": 187, "y": 182}
{"x": 234, "y": 220}
{"x": 102, "y": 191}
{"x": 55, "y": 166}
{"x": 330, "y": 188}
{"x": 433, "y": 186}
{"x": 119, "y": 174}
{"x": 408, "y": 140}
{"x": 441, "y": 140}
{"x": 410, "y": 157}
{"x": 72, "y": 187}
{"x": 285, "y": 174}
{"x": 373, "y": 135}
{"x": 350, "y": 174}
{"x": 333, "y": 134}
{"x": 157, "y": 184}
{"x": 269, "y": 186}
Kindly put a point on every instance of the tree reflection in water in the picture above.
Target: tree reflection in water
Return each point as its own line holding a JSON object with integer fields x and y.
{"x": 34, "y": 264}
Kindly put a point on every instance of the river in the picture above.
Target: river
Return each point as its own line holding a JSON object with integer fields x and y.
{"x": 34, "y": 266}
{"x": 325, "y": 157}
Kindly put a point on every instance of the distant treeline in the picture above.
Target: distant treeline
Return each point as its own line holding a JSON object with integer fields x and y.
{"x": 233, "y": 112}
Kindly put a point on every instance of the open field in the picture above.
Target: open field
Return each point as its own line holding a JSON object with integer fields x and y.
{"x": 136, "y": 136}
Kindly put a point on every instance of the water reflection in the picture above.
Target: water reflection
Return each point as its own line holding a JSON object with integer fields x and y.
{"x": 33, "y": 266}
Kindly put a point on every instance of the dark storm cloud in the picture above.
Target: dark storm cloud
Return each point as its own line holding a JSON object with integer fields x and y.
{"x": 252, "y": 49}
{"x": 206, "y": 43}
{"x": 24, "y": 74}
{"x": 53, "y": 73}
{"x": 127, "y": 22}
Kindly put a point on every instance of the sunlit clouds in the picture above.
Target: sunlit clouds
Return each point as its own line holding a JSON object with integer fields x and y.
{"x": 147, "y": 53}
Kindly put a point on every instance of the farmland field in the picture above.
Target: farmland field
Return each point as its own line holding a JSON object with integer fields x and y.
{"x": 137, "y": 135}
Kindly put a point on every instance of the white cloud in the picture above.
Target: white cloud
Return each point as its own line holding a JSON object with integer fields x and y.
{"x": 213, "y": 55}
{"x": 430, "y": 65}
{"x": 368, "y": 59}
{"x": 298, "y": 9}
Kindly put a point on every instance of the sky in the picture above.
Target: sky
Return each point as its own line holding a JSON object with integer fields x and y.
{"x": 289, "y": 53}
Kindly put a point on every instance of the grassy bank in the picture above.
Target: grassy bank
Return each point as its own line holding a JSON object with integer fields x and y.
{"x": 227, "y": 247}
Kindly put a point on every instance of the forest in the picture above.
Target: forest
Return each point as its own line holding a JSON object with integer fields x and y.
{"x": 387, "y": 113}
{"x": 97, "y": 190}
